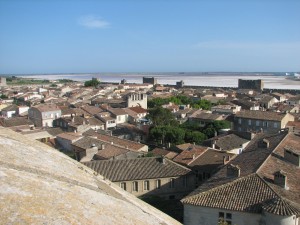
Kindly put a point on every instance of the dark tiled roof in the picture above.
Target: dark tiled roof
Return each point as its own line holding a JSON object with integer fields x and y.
{"x": 15, "y": 121}
{"x": 93, "y": 110}
{"x": 255, "y": 189}
{"x": 230, "y": 142}
{"x": 210, "y": 160}
{"x": 88, "y": 142}
{"x": 276, "y": 161}
{"x": 278, "y": 206}
{"x": 208, "y": 116}
{"x": 244, "y": 194}
{"x": 54, "y": 131}
{"x": 137, "y": 169}
{"x": 261, "y": 115}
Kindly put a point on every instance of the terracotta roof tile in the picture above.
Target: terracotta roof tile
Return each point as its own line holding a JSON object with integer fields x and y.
{"x": 188, "y": 156}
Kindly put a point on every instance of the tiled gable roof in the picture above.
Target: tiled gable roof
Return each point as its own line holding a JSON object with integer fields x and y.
{"x": 243, "y": 194}
{"x": 190, "y": 154}
{"x": 47, "y": 108}
{"x": 138, "y": 109}
{"x": 255, "y": 189}
{"x": 276, "y": 161}
{"x": 228, "y": 142}
{"x": 137, "y": 169}
{"x": 93, "y": 110}
{"x": 131, "y": 145}
{"x": 260, "y": 115}
{"x": 208, "y": 116}
{"x": 15, "y": 121}
{"x": 87, "y": 142}
{"x": 110, "y": 151}
{"x": 211, "y": 159}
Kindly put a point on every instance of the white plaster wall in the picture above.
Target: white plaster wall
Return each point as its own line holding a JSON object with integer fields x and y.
{"x": 272, "y": 219}
{"x": 122, "y": 119}
{"x": 195, "y": 215}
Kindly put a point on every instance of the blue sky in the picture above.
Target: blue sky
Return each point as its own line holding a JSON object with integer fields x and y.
{"x": 52, "y": 36}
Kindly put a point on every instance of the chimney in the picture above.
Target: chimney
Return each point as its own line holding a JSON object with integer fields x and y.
{"x": 102, "y": 146}
{"x": 194, "y": 156}
{"x": 233, "y": 171}
{"x": 216, "y": 133}
{"x": 213, "y": 144}
{"x": 162, "y": 159}
{"x": 112, "y": 143}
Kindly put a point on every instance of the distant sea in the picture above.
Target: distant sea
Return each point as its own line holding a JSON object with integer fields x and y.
{"x": 195, "y": 79}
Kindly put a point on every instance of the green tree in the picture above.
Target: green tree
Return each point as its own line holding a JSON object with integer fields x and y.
{"x": 221, "y": 124}
{"x": 90, "y": 83}
{"x": 195, "y": 136}
{"x": 160, "y": 117}
{"x": 174, "y": 135}
{"x": 3, "y": 96}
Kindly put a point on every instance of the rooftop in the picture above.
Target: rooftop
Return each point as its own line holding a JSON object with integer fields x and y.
{"x": 40, "y": 185}
{"x": 137, "y": 169}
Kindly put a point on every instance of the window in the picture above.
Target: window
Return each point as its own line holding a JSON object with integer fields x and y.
{"x": 275, "y": 125}
{"x": 257, "y": 123}
{"x": 146, "y": 185}
{"x": 265, "y": 124}
{"x": 240, "y": 121}
{"x": 221, "y": 215}
{"x": 225, "y": 217}
{"x": 123, "y": 186}
{"x": 249, "y": 122}
{"x": 172, "y": 183}
{"x": 228, "y": 216}
{"x": 135, "y": 186}
{"x": 158, "y": 184}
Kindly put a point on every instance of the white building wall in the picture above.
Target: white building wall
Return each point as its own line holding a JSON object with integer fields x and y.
{"x": 271, "y": 219}
{"x": 195, "y": 215}
{"x": 122, "y": 118}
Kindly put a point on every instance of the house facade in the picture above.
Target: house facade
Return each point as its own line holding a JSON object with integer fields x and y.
{"x": 266, "y": 121}
{"x": 43, "y": 115}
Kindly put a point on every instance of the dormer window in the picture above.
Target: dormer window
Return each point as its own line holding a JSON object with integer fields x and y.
{"x": 280, "y": 178}
{"x": 292, "y": 155}
{"x": 233, "y": 171}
